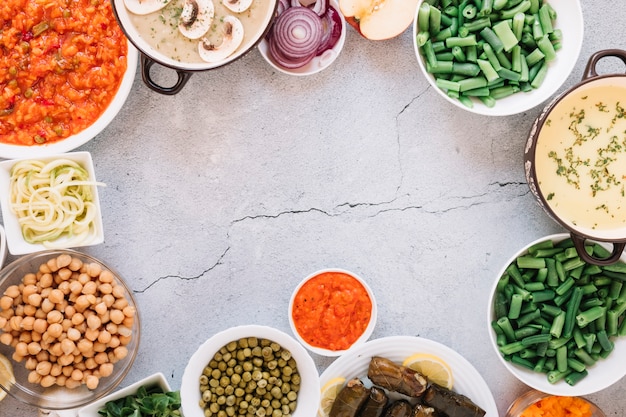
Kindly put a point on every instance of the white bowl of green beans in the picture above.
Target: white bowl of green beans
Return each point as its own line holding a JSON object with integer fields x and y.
{"x": 557, "y": 323}
{"x": 500, "y": 58}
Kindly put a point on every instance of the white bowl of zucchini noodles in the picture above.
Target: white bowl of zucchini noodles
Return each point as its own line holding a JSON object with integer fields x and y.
{"x": 50, "y": 203}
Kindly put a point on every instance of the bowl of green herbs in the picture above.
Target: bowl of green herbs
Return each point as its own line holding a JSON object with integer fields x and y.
{"x": 558, "y": 323}
{"x": 150, "y": 396}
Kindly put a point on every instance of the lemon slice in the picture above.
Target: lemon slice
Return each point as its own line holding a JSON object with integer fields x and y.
{"x": 6, "y": 375}
{"x": 329, "y": 393}
{"x": 435, "y": 369}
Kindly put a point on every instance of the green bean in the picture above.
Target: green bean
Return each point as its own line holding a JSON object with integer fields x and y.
{"x": 488, "y": 101}
{"x": 519, "y": 360}
{"x": 434, "y": 20}
{"x": 574, "y": 377}
{"x": 486, "y": 8}
{"x": 461, "y": 41}
{"x": 505, "y": 91}
{"x": 545, "y": 19}
{"x": 522, "y": 7}
{"x": 586, "y": 317}
{"x": 557, "y": 325}
{"x": 572, "y": 308}
{"x": 423, "y": 17}
{"x": 492, "y": 39}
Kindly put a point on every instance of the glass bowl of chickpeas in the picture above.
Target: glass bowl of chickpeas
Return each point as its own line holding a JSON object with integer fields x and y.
{"x": 250, "y": 370}
{"x": 68, "y": 325}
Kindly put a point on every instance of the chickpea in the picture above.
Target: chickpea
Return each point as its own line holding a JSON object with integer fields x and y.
{"x": 46, "y": 280}
{"x": 43, "y": 368}
{"x": 47, "y": 305}
{"x": 12, "y": 291}
{"x": 90, "y": 288}
{"x": 56, "y": 296}
{"x": 64, "y": 274}
{"x": 34, "y": 348}
{"x": 116, "y": 316}
{"x": 92, "y": 382}
{"x": 47, "y": 381}
{"x": 6, "y": 302}
{"x": 55, "y": 330}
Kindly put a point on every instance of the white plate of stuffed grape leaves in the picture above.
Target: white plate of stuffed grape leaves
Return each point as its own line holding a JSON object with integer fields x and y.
{"x": 377, "y": 366}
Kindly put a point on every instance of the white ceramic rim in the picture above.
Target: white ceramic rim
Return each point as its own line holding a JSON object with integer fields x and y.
{"x": 15, "y": 240}
{"x": 158, "y": 379}
{"x": 601, "y": 375}
{"x": 368, "y": 330}
{"x": 123, "y": 16}
{"x": 308, "y": 397}
{"x": 3, "y": 246}
{"x": 318, "y": 63}
{"x": 72, "y": 142}
{"x": 467, "y": 379}
{"x": 570, "y": 21}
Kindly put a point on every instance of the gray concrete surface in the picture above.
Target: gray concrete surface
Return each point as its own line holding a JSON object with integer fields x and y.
{"x": 220, "y": 199}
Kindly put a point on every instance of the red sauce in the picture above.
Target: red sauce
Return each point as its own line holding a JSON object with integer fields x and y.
{"x": 331, "y": 310}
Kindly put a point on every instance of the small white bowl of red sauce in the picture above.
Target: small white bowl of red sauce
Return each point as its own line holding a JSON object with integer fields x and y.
{"x": 331, "y": 311}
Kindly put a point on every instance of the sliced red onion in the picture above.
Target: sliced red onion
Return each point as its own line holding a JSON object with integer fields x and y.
{"x": 297, "y": 33}
{"x": 287, "y": 62}
{"x": 318, "y": 6}
{"x": 331, "y": 22}
{"x": 282, "y": 6}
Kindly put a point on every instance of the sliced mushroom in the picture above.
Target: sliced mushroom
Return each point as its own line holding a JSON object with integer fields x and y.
{"x": 237, "y": 6}
{"x": 195, "y": 18}
{"x": 142, "y": 7}
{"x": 232, "y": 38}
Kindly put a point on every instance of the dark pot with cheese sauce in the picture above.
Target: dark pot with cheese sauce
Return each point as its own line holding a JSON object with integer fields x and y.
{"x": 189, "y": 36}
{"x": 575, "y": 160}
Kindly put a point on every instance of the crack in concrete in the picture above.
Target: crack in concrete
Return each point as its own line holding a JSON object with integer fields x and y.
{"x": 398, "y": 136}
{"x": 282, "y": 213}
{"x": 200, "y": 275}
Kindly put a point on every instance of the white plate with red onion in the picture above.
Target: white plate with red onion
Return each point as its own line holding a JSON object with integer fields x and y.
{"x": 306, "y": 36}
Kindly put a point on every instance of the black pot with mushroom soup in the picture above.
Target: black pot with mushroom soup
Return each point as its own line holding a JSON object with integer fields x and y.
{"x": 188, "y": 36}
{"x": 575, "y": 160}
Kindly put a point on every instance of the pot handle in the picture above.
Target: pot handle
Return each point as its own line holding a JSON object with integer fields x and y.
{"x": 146, "y": 65}
{"x": 579, "y": 244}
{"x": 590, "y": 69}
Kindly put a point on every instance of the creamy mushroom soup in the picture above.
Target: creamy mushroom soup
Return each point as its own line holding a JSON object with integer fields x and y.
{"x": 160, "y": 29}
{"x": 581, "y": 158}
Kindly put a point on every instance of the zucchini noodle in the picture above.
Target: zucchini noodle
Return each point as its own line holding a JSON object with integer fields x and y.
{"x": 53, "y": 200}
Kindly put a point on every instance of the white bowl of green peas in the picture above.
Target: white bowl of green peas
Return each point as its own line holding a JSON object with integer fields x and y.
{"x": 258, "y": 370}
{"x": 557, "y": 323}
{"x": 499, "y": 59}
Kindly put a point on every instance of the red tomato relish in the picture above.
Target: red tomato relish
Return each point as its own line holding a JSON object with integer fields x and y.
{"x": 331, "y": 310}
{"x": 61, "y": 64}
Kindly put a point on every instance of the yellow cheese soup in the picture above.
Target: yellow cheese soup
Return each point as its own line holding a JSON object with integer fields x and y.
{"x": 580, "y": 159}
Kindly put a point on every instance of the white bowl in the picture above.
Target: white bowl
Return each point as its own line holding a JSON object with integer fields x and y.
{"x": 308, "y": 396}
{"x": 570, "y": 21}
{"x": 368, "y": 330}
{"x": 157, "y": 380}
{"x": 15, "y": 240}
{"x": 318, "y": 63}
{"x": 602, "y": 374}
{"x": 3, "y": 246}
{"x": 72, "y": 142}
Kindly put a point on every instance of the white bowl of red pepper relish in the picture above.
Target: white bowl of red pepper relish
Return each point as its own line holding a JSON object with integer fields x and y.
{"x": 331, "y": 311}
